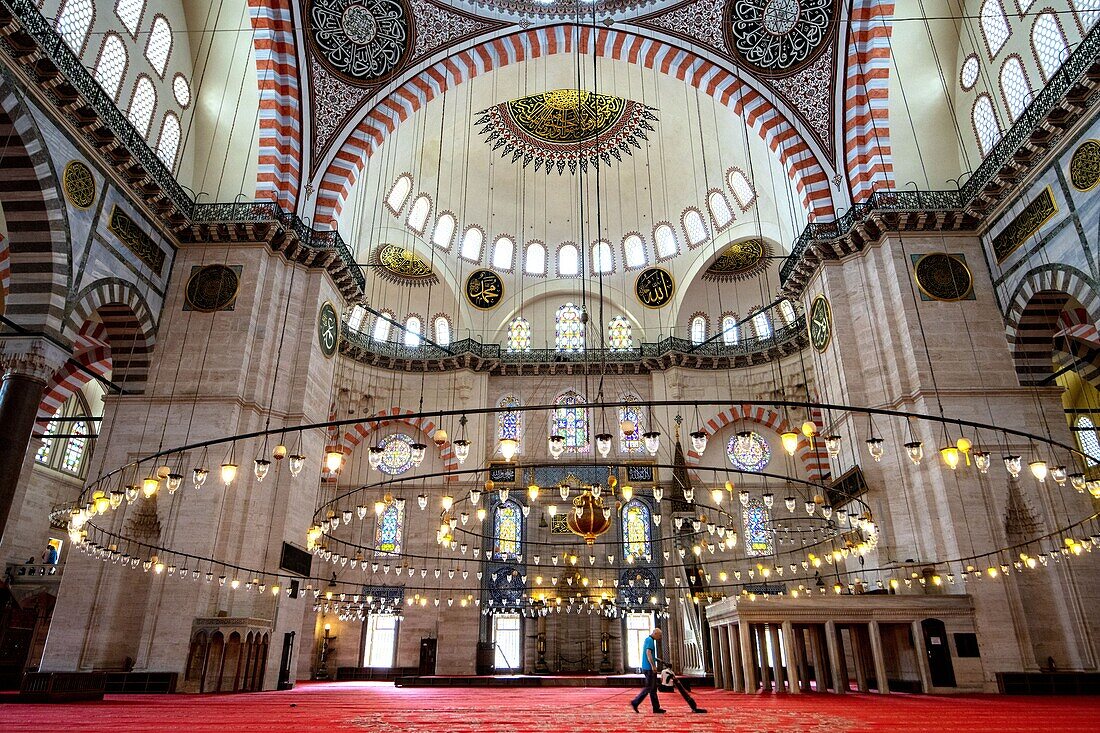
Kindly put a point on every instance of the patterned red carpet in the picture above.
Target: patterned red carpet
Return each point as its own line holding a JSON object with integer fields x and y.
{"x": 383, "y": 708}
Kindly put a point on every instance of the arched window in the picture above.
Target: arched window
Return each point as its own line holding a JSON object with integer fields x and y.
{"x": 636, "y": 530}
{"x": 995, "y": 28}
{"x": 731, "y": 330}
{"x": 619, "y": 336}
{"x": 985, "y": 122}
{"x": 419, "y": 212}
{"x": 742, "y": 188}
{"x": 444, "y": 234}
{"x": 441, "y": 330}
{"x": 665, "y": 239}
{"x": 169, "y": 144}
{"x": 762, "y": 325}
{"x": 159, "y": 47}
{"x": 181, "y": 90}
{"x": 758, "y": 538}
{"x": 720, "y": 212}
{"x": 631, "y": 414}
{"x": 67, "y": 455}
{"x": 503, "y": 250}
{"x": 472, "y": 240}
{"x": 968, "y": 74}
{"x": 1087, "y": 439}
{"x": 399, "y": 194}
{"x": 519, "y": 335}
{"x": 74, "y": 20}
{"x": 381, "y": 331}
{"x": 1088, "y": 12}
{"x": 1015, "y": 87}
{"x": 507, "y": 531}
{"x": 569, "y": 330}
{"x": 634, "y": 254}
{"x": 1048, "y": 42}
{"x": 602, "y": 260}
{"x": 111, "y": 65}
{"x": 534, "y": 261}
{"x": 413, "y": 331}
{"x": 699, "y": 328}
{"x": 571, "y": 421}
{"x": 786, "y": 310}
{"x": 355, "y": 318}
{"x": 143, "y": 105}
{"x": 695, "y": 229}
{"x": 569, "y": 261}
{"x": 509, "y": 422}
{"x": 388, "y": 530}
{"x": 129, "y": 12}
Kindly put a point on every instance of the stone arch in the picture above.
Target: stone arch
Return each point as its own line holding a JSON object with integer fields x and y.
{"x": 356, "y": 433}
{"x": 129, "y": 328}
{"x": 91, "y": 353}
{"x": 813, "y": 457}
{"x": 35, "y": 259}
{"x": 335, "y": 177}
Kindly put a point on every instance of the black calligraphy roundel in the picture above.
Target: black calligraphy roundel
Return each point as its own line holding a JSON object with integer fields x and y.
{"x": 655, "y": 287}
{"x": 484, "y": 289}
{"x": 328, "y": 329}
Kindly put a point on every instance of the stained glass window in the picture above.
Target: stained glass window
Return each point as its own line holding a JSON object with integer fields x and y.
{"x": 1088, "y": 440}
{"x": 396, "y": 454}
{"x": 72, "y": 461}
{"x": 571, "y": 422}
{"x": 507, "y": 532}
{"x": 758, "y": 540}
{"x": 631, "y": 413}
{"x": 752, "y": 454}
{"x": 618, "y": 334}
{"x": 43, "y": 454}
{"x": 509, "y": 422}
{"x": 636, "y": 530}
{"x": 388, "y": 530}
{"x": 68, "y": 455}
{"x": 519, "y": 335}
{"x": 569, "y": 329}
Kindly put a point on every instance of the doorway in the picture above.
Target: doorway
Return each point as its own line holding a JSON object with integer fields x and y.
{"x": 939, "y": 654}
{"x": 506, "y": 642}
{"x": 638, "y": 627}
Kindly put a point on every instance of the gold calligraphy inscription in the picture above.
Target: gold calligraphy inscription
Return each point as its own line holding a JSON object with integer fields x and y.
{"x": 484, "y": 289}
{"x": 1027, "y": 223}
{"x": 136, "y": 240}
{"x": 654, "y": 287}
{"x": 566, "y": 115}
{"x": 739, "y": 261}
{"x": 403, "y": 262}
{"x": 1084, "y": 166}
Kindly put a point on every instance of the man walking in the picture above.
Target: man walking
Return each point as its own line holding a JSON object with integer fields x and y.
{"x": 649, "y": 669}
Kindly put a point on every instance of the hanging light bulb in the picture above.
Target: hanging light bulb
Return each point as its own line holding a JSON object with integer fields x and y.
{"x": 475, "y": 496}
{"x": 508, "y": 448}
{"x": 117, "y": 498}
{"x": 658, "y": 494}
{"x": 689, "y": 494}
{"x": 875, "y": 448}
{"x": 374, "y": 458}
{"x": 652, "y": 441}
{"x": 698, "y": 441}
{"x": 1077, "y": 481}
{"x": 981, "y": 460}
{"x": 417, "y": 453}
{"x": 440, "y": 437}
{"x": 950, "y": 455}
{"x": 628, "y": 492}
{"x": 279, "y": 453}
{"x": 229, "y": 473}
{"x": 261, "y": 467}
{"x": 1038, "y": 470}
{"x": 447, "y": 502}
{"x": 627, "y": 427}
{"x": 556, "y": 445}
{"x": 296, "y": 462}
{"x": 790, "y": 441}
{"x": 462, "y": 450}
{"x": 379, "y": 507}
{"x": 533, "y": 492}
{"x": 790, "y": 502}
{"x": 810, "y": 507}
{"x": 198, "y": 477}
{"x": 422, "y": 501}
{"x": 173, "y": 482}
{"x": 743, "y": 495}
{"x": 1013, "y": 464}
{"x": 361, "y": 510}
{"x": 717, "y": 495}
{"x": 553, "y": 509}
{"x": 769, "y": 499}
{"x": 149, "y": 486}
{"x": 132, "y": 492}
{"x": 563, "y": 491}
{"x": 603, "y": 444}
{"x": 1059, "y": 474}
{"x": 832, "y": 445}
{"x": 481, "y": 518}
{"x": 334, "y": 459}
{"x": 827, "y": 511}
{"x": 915, "y": 450}
{"x": 505, "y": 492}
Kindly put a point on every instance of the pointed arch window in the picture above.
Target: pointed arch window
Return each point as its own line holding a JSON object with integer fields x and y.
{"x": 519, "y": 335}
{"x": 110, "y": 68}
{"x": 1015, "y": 87}
{"x": 571, "y": 421}
{"x": 741, "y": 187}
{"x": 74, "y": 21}
{"x": 758, "y": 539}
{"x": 444, "y": 234}
{"x": 995, "y": 27}
{"x": 503, "y": 251}
{"x": 129, "y": 12}
{"x": 634, "y": 254}
{"x": 143, "y": 105}
{"x": 695, "y": 229}
{"x": 399, "y": 194}
{"x": 985, "y": 122}
{"x": 665, "y": 239}
{"x": 534, "y": 261}
{"x": 67, "y": 455}
{"x": 419, "y": 212}
{"x": 413, "y": 331}
{"x": 381, "y": 330}
{"x": 636, "y": 530}
{"x": 159, "y": 47}
{"x": 1088, "y": 440}
{"x": 509, "y": 421}
{"x": 699, "y": 328}
{"x": 441, "y": 330}
{"x": 569, "y": 330}
{"x": 169, "y": 143}
{"x": 786, "y": 311}
{"x": 355, "y": 318}
{"x": 1048, "y": 42}
{"x": 762, "y": 325}
{"x": 507, "y": 531}
{"x": 632, "y": 414}
{"x": 389, "y": 528}
{"x": 731, "y": 330}
{"x": 619, "y": 337}
{"x": 569, "y": 261}
{"x": 720, "y": 212}
{"x": 602, "y": 260}
{"x": 472, "y": 239}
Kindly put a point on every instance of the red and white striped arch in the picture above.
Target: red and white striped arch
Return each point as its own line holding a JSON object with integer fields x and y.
{"x": 867, "y": 152}
{"x": 804, "y": 168}
{"x": 814, "y": 459}
{"x": 355, "y": 434}
{"x": 91, "y": 351}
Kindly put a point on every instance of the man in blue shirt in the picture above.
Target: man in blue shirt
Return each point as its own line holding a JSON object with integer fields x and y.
{"x": 649, "y": 669}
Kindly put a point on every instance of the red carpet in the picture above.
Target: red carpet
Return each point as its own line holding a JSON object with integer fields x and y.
{"x": 382, "y": 708}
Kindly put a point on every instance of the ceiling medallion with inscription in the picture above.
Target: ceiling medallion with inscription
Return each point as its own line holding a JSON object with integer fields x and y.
{"x": 740, "y": 261}
{"x": 942, "y": 276}
{"x": 820, "y": 323}
{"x": 404, "y": 266}
{"x": 79, "y": 185}
{"x": 655, "y": 287}
{"x": 484, "y": 289}
{"x": 1084, "y": 166}
{"x": 566, "y": 128}
{"x": 778, "y": 36}
{"x": 212, "y": 288}
{"x": 361, "y": 40}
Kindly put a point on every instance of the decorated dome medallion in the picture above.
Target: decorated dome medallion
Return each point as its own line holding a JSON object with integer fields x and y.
{"x": 361, "y": 40}
{"x": 778, "y": 36}
{"x": 739, "y": 261}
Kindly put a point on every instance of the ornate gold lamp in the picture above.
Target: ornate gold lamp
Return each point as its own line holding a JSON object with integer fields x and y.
{"x": 590, "y": 518}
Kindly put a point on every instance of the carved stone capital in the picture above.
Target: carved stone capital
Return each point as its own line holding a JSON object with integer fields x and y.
{"x": 30, "y": 356}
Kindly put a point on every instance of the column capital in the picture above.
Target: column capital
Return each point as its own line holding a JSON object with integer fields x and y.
{"x": 33, "y": 357}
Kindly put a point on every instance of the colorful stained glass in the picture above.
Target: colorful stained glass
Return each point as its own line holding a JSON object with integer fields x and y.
{"x": 619, "y": 337}
{"x": 571, "y": 422}
{"x": 753, "y": 454}
{"x": 508, "y": 422}
{"x": 519, "y": 335}
{"x": 73, "y": 460}
{"x": 396, "y": 454}
{"x": 506, "y": 531}
{"x": 631, "y": 443}
{"x": 387, "y": 533}
{"x": 569, "y": 329}
{"x": 43, "y": 454}
{"x": 758, "y": 540}
{"x": 636, "y": 530}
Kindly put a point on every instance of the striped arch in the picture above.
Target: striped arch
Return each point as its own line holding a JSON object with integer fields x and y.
{"x": 867, "y": 153}
{"x": 35, "y": 255}
{"x": 802, "y": 166}
{"x": 129, "y": 326}
{"x": 278, "y": 175}
{"x": 1035, "y": 318}
{"x": 357, "y": 433}
{"x": 814, "y": 462}
{"x": 91, "y": 351}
